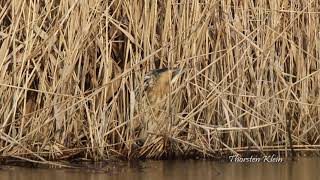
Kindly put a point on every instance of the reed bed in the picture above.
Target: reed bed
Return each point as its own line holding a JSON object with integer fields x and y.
{"x": 71, "y": 74}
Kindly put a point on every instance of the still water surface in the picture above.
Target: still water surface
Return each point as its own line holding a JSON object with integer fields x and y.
{"x": 303, "y": 169}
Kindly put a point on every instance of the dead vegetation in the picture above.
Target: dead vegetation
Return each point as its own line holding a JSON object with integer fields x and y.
{"x": 69, "y": 71}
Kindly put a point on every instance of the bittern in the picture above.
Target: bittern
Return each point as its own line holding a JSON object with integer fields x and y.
{"x": 157, "y": 84}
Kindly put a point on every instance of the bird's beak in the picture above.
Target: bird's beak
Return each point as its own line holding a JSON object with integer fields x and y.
{"x": 176, "y": 72}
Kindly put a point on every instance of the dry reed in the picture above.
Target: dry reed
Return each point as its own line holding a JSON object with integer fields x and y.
{"x": 70, "y": 70}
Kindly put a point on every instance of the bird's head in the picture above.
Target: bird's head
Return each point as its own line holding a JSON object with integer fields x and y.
{"x": 157, "y": 82}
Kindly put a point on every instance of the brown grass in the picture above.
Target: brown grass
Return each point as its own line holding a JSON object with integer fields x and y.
{"x": 70, "y": 70}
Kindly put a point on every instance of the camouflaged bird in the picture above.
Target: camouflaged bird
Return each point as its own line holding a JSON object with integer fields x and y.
{"x": 157, "y": 84}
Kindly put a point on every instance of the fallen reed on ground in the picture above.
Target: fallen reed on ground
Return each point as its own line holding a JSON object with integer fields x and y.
{"x": 71, "y": 74}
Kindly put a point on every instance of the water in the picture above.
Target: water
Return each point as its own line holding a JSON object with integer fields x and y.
{"x": 304, "y": 168}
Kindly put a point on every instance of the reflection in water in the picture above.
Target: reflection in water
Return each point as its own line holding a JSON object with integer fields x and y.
{"x": 305, "y": 168}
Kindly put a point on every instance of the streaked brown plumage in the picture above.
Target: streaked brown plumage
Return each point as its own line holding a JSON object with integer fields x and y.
{"x": 156, "y": 88}
{"x": 157, "y": 83}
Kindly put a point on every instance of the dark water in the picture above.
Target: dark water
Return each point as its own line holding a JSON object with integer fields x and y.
{"x": 304, "y": 168}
